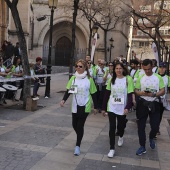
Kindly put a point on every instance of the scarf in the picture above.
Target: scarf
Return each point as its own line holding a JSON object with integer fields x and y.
{"x": 80, "y": 76}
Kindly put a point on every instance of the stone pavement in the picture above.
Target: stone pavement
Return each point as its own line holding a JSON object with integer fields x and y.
{"x": 45, "y": 140}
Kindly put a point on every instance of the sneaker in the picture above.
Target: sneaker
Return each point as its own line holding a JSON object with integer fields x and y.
{"x": 77, "y": 151}
{"x": 42, "y": 84}
{"x": 141, "y": 150}
{"x": 155, "y": 138}
{"x": 120, "y": 141}
{"x": 111, "y": 153}
{"x": 152, "y": 143}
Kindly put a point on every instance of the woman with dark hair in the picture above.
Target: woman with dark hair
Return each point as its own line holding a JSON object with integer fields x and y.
{"x": 117, "y": 102}
{"x": 83, "y": 89}
{"x": 39, "y": 70}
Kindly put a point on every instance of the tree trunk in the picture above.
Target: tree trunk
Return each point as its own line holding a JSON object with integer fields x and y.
{"x": 23, "y": 48}
{"x": 72, "y": 57}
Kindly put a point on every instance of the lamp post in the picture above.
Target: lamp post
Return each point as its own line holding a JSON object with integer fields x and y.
{"x": 95, "y": 28}
{"x": 111, "y": 46}
{"x": 52, "y": 5}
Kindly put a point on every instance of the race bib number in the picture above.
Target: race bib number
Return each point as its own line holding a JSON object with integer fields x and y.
{"x": 73, "y": 89}
{"x": 117, "y": 100}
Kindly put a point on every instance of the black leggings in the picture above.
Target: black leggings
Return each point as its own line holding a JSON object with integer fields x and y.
{"x": 78, "y": 121}
{"x": 121, "y": 120}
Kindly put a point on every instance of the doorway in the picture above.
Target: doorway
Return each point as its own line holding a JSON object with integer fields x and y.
{"x": 63, "y": 52}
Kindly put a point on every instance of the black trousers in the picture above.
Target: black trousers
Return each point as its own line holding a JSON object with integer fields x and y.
{"x": 121, "y": 121}
{"x": 100, "y": 96}
{"x": 142, "y": 113}
{"x": 162, "y": 108}
{"x": 78, "y": 121}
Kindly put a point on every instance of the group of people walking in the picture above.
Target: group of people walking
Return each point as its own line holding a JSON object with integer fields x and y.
{"x": 114, "y": 89}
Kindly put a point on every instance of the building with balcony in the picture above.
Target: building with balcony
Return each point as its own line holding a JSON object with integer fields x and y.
{"x": 141, "y": 42}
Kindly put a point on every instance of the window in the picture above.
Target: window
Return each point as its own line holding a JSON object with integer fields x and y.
{"x": 163, "y": 31}
{"x": 141, "y": 44}
{"x": 146, "y": 8}
{"x": 166, "y": 5}
{"x": 141, "y": 21}
{"x": 140, "y": 33}
{"x": 144, "y": 44}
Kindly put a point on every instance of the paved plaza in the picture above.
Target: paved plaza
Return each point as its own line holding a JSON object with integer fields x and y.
{"x": 45, "y": 140}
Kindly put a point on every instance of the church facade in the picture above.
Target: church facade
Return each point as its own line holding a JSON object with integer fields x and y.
{"x": 37, "y": 33}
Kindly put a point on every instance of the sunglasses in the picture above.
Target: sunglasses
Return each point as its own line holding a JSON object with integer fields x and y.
{"x": 110, "y": 65}
{"x": 78, "y": 66}
{"x": 88, "y": 63}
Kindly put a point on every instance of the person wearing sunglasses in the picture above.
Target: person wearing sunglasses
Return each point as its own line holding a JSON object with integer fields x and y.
{"x": 116, "y": 104}
{"x": 164, "y": 99}
{"x": 83, "y": 90}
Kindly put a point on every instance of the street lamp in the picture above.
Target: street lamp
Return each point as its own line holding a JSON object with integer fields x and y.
{"x": 52, "y": 5}
{"x": 111, "y": 46}
{"x": 95, "y": 28}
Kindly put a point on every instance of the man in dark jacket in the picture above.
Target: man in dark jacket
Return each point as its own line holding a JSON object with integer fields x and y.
{"x": 17, "y": 50}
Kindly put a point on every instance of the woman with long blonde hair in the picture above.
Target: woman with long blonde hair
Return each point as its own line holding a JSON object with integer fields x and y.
{"x": 83, "y": 90}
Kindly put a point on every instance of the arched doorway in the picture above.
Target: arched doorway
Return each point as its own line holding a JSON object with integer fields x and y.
{"x": 63, "y": 52}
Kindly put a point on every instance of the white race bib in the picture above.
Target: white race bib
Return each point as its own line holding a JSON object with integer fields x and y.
{"x": 118, "y": 100}
{"x": 73, "y": 89}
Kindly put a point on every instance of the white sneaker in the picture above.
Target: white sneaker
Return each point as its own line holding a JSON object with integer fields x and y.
{"x": 111, "y": 153}
{"x": 120, "y": 141}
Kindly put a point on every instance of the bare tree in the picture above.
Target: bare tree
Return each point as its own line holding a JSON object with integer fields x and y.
{"x": 149, "y": 17}
{"x": 105, "y": 13}
{"x": 24, "y": 57}
{"x": 89, "y": 10}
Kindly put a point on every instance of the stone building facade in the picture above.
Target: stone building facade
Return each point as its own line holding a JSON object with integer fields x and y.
{"x": 142, "y": 43}
{"x": 37, "y": 33}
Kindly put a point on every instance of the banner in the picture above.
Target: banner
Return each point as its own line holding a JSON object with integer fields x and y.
{"x": 94, "y": 41}
{"x": 3, "y": 79}
{"x": 155, "y": 51}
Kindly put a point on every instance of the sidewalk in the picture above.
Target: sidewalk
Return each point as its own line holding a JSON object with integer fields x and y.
{"x": 45, "y": 140}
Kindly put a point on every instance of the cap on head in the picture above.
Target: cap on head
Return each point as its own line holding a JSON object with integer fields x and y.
{"x": 162, "y": 64}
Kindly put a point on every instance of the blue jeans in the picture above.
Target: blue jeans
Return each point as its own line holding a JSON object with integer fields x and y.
{"x": 35, "y": 88}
